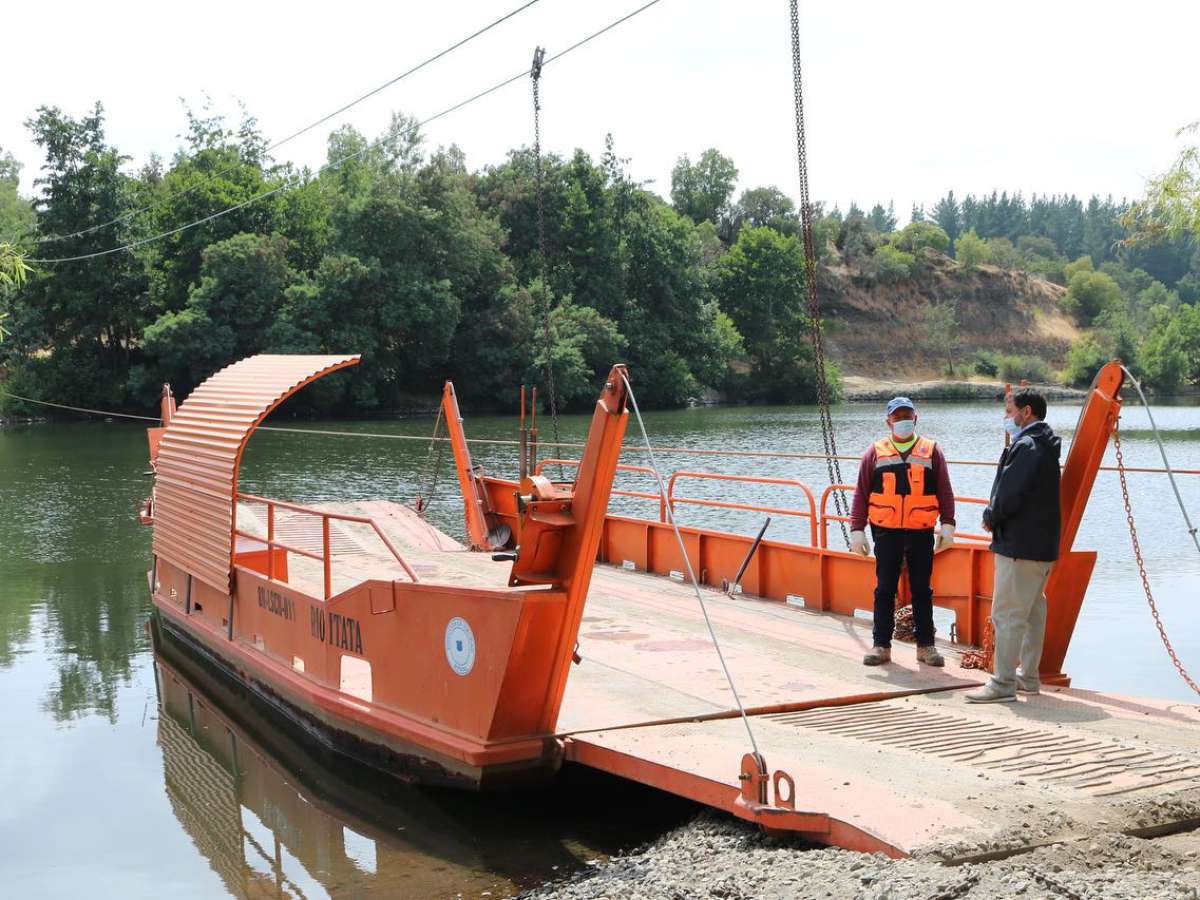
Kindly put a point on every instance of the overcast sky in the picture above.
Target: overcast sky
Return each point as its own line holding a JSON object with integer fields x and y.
{"x": 904, "y": 101}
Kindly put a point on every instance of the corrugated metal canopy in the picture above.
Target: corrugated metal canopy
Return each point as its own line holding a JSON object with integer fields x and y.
{"x": 197, "y": 472}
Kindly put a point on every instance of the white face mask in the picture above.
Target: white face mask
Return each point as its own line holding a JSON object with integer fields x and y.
{"x": 904, "y": 429}
{"x": 1011, "y": 427}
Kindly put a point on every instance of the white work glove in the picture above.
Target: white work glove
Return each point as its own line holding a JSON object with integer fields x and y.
{"x": 858, "y": 543}
{"x": 945, "y": 538}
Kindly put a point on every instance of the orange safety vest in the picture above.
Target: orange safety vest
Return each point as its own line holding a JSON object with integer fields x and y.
{"x": 903, "y": 496}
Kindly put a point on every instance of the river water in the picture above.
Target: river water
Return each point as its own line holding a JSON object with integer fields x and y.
{"x": 125, "y": 774}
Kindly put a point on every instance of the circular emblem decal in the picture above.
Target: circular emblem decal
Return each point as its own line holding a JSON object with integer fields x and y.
{"x": 460, "y": 646}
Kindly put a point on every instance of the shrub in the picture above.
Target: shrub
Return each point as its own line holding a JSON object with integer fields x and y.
{"x": 1032, "y": 368}
{"x": 987, "y": 363}
{"x": 1002, "y": 253}
{"x": 890, "y": 265}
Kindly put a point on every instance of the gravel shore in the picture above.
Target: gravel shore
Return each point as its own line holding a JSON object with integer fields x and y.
{"x": 716, "y": 856}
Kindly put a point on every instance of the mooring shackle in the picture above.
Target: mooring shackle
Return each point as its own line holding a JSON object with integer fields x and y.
{"x": 788, "y": 802}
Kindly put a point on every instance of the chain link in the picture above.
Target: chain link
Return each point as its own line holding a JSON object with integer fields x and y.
{"x": 810, "y": 280}
{"x": 1054, "y": 884}
{"x": 535, "y": 73}
{"x": 958, "y": 889}
{"x": 1137, "y": 555}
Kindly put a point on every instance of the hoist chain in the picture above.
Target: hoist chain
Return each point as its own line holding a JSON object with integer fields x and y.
{"x": 535, "y": 73}
{"x": 810, "y": 281}
{"x": 1137, "y": 555}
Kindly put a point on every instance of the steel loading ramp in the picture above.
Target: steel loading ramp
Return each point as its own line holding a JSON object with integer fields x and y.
{"x": 929, "y": 773}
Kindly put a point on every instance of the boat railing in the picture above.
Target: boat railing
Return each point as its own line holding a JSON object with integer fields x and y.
{"x": 810, "y": 513}
{"x": 324, "y": 557}
{"x": 827, "y": 517}
{"x": 672, "y": 499}
{"x": 619, "y": 492}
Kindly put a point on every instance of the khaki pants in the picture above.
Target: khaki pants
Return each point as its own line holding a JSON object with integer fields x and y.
{"x": 1019, "y": 620}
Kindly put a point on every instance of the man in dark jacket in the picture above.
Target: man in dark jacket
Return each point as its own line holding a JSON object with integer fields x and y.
{"x": 1023, "y": 516}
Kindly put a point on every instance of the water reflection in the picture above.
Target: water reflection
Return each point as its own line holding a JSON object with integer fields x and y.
{"x": 275, "y": 816}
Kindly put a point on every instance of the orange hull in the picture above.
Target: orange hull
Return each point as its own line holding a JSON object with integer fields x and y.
{"x": 452, "y": 682}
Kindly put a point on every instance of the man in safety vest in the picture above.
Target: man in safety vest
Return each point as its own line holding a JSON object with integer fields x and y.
{"x": 903, "y": 487}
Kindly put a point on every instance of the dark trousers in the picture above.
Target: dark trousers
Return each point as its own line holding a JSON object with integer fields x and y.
{"x": 894, "y": 546}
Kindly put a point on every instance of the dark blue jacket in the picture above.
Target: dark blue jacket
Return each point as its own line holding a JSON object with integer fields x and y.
{"x": 1023, "y": 510}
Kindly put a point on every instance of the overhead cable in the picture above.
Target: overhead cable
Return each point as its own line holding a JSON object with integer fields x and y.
{"x": 338, "y": 162}
{"x": 562, "y": 445}
{"x": 307, "y": 128}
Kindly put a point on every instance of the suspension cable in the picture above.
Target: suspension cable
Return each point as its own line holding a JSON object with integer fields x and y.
{"x": 333, "y": 164}
{"x": 307, "y": 128}
{"x": 828, "y": 435}
{"x": 687, "y": 562}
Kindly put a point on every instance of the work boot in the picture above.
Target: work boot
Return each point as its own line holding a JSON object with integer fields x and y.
{"x": 989, "y": 693}
{"x": 930, "y": 656}
{"x": 878, "y": 656}
{"x": 1028, "y": 687}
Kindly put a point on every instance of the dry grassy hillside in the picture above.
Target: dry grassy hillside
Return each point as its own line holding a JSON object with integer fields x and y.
{"x": 878, "y": 330}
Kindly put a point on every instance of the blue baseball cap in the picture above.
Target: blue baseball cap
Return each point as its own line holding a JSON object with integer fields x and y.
{"x": 900, "y": 403}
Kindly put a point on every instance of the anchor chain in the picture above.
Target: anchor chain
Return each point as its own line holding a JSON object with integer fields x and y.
{"x": 1054, "y": 884}
{"x": 810, "y": 281}
{"x": 535, "y": 73}
{"x": 1137, "y": 555}
{"x": 960, "y": 888}
{"x": 982, "y": 657}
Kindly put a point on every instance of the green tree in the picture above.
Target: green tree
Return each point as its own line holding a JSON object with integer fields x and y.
{"x": 1171, "y": 206}
{"x": 883, "y": 220}
{"x": 77, "y": 323}
{"x": 940, "y": 326}
{"x": 948, "y": 217}
{"x": 919, "y": 236}
{"x": 1087, "y": 356}
{"x": 701, "y": 191}
{"x": 228, "y": 315}
{"x": 760, "y": 284}
{"x": 764, "y": 206}
{"x": 17, "y": 219}
{"x": 1170, "y": 354}
{"x": 971, "y": 250}
{"x": 672, "y": 324}
{"x": 1090, "y": 293}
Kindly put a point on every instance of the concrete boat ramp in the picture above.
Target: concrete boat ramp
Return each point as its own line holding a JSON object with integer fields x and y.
{"x": 888, "y": 759}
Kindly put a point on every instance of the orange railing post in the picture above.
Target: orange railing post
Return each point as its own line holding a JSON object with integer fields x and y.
{"x": 325, "y": 556}
{"x": 271, "y": 541}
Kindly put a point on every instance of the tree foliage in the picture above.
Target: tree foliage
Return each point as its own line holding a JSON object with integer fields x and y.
{"x": 760, "y": 284}
{"x": 701, "y": 190}
{"x": 970, "y": 250}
